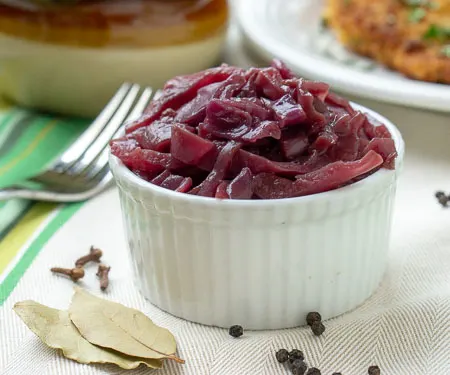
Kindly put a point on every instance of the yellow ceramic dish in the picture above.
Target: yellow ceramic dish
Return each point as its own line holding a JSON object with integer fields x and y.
{"x": 71, "y": 58}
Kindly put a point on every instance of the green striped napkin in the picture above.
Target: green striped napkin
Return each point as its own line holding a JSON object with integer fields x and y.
{"x": 28, "y": 143}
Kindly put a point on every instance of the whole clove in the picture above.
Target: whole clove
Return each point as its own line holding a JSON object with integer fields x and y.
{"x": 74, "y": 273}
{"x": 103, "y": 275}
{"x": 93, "y": 256}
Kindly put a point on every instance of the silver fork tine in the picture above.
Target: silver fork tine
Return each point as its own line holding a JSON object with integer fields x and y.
{"x": 141, "y": 104}
{"x": 105, "y": 136}
{"x": 91, "y": 133}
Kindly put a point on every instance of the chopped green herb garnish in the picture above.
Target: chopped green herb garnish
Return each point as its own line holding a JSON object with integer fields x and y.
{"x": 347, "y": 2}
{"x": 432, "y": 32}
{"x": 445, "y": 51}
{"x": 414, "y": 3}
{"x": 437, "y": 32}
{"x": 324, "y": 23}
{"x": 421, "y": 3}
{"x": 416, "y": 15}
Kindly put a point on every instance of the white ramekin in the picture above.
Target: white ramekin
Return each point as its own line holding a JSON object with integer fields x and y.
{"x": 260, "y": 264}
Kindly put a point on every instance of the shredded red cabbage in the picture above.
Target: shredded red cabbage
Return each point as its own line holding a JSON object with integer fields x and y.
{"x": 257, "y": 134}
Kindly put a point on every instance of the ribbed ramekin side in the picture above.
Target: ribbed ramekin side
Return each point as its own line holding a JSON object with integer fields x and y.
{"x": 263, "y": 267}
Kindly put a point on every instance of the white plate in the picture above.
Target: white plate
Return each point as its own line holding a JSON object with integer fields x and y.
{"x": 290, "y": 30}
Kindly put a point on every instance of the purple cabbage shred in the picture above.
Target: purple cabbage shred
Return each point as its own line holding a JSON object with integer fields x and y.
{"x": 228, "y": 133}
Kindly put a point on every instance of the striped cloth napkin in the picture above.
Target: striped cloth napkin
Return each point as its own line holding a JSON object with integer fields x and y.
{"x": 28, "y": 142}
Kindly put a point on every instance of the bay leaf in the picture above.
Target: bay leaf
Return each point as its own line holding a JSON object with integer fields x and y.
{"x": 115, "y": 326}
{"x": 56, "y": 330}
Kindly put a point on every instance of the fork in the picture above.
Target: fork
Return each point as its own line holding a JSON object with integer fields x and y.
{"x": 82, "y": 172}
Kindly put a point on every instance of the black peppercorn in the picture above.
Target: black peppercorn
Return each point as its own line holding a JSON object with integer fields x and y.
{"x": 313, "y": 371}
{"x": 236, "y": 331}
{"x": 313, "y": 317}
{"x": 296, "y": 354}
{"x": 374, "y": 370}
{"x": 442, "y": 198}
{"x": 318, "y": 328}
{"x": 282, "y": 355}
{"x": 298, "y": 367}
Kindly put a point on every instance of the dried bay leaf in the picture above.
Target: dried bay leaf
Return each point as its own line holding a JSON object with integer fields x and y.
{"x": 114, "y": 326}
{"x": 56, "y": 330}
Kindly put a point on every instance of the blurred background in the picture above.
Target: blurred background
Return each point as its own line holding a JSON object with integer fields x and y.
{"x": 62, "y": 60}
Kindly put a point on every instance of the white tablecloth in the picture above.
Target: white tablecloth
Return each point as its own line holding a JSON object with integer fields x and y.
{"x": 404, "y": 328}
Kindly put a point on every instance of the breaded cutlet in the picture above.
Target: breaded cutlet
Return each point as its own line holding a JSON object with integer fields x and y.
{"x": 410, "y": 36}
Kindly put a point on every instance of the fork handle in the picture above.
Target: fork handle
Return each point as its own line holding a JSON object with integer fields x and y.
{"x": 6, "y": 194}
{"x": 51, "y": 196}
{"x": 34, "y": 195}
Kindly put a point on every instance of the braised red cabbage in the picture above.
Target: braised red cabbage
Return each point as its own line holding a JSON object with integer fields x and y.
{"x": 229, "y": 133}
